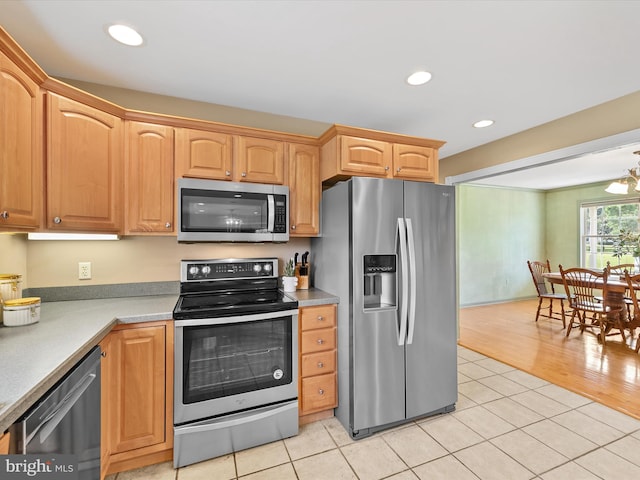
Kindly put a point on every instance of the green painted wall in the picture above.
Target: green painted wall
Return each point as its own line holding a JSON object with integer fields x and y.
{"x": 499, "y": 229}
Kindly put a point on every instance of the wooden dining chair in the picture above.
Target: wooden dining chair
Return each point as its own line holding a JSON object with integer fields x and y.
{"x": 620, "y": 271}
{"x": 537, "y": 269}
{"x": 634, "y": 318}
{"x": 581, "y": 286}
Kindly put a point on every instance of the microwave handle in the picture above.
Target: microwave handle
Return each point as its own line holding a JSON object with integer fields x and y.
{"x": 271, "y": 208}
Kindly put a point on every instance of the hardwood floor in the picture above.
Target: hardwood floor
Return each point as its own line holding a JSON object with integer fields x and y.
{"x": 508, "y": 332}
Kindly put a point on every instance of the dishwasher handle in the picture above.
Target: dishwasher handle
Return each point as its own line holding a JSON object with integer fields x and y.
{"x": 51, "y": 421}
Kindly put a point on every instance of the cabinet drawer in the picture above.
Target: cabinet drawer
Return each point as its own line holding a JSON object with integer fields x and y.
{"x": 318, "y": 363}
{"x": 322, "y": 316}
{"x": 318, "y": 393}
{"x": 318, "y": 340}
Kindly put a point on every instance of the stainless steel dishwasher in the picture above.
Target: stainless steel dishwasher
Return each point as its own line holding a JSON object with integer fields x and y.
{"x": 66, "y": 420}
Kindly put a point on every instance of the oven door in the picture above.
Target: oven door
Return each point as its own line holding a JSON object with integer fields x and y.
{"x": 225, "y": 365}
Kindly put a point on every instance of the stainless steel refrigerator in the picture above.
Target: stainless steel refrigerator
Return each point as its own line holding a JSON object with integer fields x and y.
{"x": 387, "y": 249}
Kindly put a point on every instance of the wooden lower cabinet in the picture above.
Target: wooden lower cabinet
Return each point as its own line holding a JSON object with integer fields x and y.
{"x": 4, "y": 444}
{"x": 318, "y": 356}
{"x": 137, "y": 408}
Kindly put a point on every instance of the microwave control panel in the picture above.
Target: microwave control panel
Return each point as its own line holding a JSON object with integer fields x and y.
{"x": 280, "y": 224}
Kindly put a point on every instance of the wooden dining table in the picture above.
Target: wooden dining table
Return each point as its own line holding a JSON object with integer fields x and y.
{"x": 616, "y": 289}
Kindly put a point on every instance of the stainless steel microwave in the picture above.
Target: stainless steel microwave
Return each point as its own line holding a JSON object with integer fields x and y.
{"x": 217, "y": 211}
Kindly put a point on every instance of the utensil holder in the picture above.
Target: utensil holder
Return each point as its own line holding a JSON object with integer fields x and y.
{"x": 303, "y": 278}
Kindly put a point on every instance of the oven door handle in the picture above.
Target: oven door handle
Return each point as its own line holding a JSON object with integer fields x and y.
{"x": 239, "y": 419}
{"x": 195, "y": 322}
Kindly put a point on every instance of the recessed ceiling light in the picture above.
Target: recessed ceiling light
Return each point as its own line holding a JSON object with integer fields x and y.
{"x": 418, "y": 78}
{"x": 125, "y": 34}
{"x": 483, "y": 123}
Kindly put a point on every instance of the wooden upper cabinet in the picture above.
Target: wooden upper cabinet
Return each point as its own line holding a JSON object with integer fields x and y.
{"x": 414, "y": 162}
{"x": 21, "y": 155}
{"x": 365, "y": 156}
{"x": 348, "y": 151}
{"x": 149, "y": 186}
{"x": 84, "y": 167}
{"x": 203, "y": 154}
{"x": 304, "y": 189}
{"x": 259, "y": 160}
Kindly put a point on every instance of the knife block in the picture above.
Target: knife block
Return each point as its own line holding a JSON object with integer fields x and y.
{"x": 303, "y": 280}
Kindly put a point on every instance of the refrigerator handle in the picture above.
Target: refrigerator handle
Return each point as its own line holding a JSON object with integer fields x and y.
{"x": 412, "y": 280}
{"x": 401, "y": 242}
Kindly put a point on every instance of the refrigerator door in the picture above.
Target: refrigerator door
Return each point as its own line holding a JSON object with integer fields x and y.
{"x": 431, "y": 372}
{"x": 378, "y": 381}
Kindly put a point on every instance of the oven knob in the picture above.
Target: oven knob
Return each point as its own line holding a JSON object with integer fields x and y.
{"x": 267, "y": 267}
{"x": 206, "y": 270}
{"x": 257, "y": 267}
{"x": 193, "y": 270}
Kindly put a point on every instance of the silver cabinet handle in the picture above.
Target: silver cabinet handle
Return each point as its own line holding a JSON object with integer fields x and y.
{"x": 320, "y": 391}
{"x": 398, "y": 169}
{"x": 4, "y": 215}
{"x": 57, "y": 220}
{"x": 386, "y": 168}
{"x": 167, "y": 225}
{"x": 320, "y": 341}
{"x": 293, "y": 227}
{"x": 320, "y": 318}
{"x": 227, "y": 173}
{"x": 320, "y": 365}
{"x": 103, "y": 354}
{"x": 244, "y": 174}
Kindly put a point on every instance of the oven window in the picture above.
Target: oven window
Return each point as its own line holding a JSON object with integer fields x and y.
{"x": 218, "y": 211}
{"x": 224, "y": 360}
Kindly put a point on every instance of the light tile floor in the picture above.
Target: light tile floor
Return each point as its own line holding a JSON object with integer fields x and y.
{"x": 507, "y": 425}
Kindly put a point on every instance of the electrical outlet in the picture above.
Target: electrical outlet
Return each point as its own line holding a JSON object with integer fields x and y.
{"x": 84, "y": 270}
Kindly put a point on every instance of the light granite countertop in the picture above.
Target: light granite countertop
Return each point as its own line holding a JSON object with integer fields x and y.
{"x": 312, "y": 297}
{"x": 34, "y": 357}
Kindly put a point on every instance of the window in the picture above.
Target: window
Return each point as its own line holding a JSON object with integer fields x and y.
{"x": 600, "y": 226}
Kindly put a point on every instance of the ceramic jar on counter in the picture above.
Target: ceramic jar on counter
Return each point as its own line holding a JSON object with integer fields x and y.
{"x": 10, "y": 288}
{"x": 21, "y": 311}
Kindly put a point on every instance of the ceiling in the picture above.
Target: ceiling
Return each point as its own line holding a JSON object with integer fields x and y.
{"x": 521, "y": 63}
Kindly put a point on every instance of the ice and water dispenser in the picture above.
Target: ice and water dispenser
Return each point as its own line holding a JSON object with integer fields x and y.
{"x": 379, "y": 281}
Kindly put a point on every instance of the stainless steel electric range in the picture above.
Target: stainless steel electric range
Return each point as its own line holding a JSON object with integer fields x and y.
{"x": 235, "y": 357}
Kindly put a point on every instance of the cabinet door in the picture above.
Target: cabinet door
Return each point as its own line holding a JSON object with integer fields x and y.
{"x": 202, "y": 154}
{"x": 365, "y": 156}
{"x": 4, "y": 443}
{"x": 414, "y": 162}
{"x": 84, "y": 167}
{"x": 106, "y": 384}
{"x": 149, "y": 178}
{"x": 21, "y": 161}
{"x": 304, "y": 190}
{"x": 259, "y": 160}
{"x": 137, "y": 395}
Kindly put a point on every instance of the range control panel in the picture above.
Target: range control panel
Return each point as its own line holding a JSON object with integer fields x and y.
{"x": 232, "y": 268}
